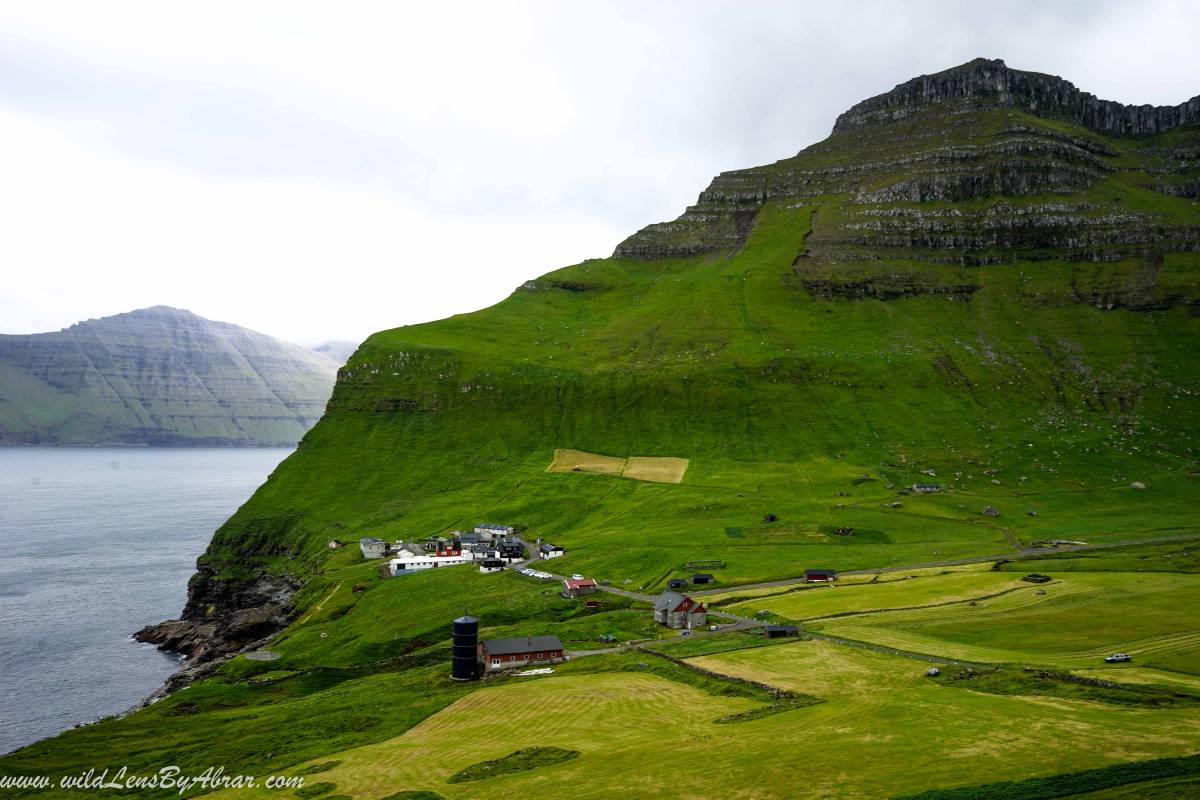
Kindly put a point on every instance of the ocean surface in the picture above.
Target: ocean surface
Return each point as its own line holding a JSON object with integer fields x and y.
{"x": 94, "y": 544}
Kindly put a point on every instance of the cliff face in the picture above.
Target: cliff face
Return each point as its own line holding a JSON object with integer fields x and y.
{"x": 159, "y": 376}
{"x": 1032, "y": 167}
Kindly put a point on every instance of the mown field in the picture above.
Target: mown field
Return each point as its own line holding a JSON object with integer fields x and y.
{"x": 642, "y": 736}
{"x": 1080, "y": 618}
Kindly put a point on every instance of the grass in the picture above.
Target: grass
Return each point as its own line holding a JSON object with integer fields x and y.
{"x": 640, "y": 734}
{"x": 1079, "y": 620}
{"x": 896, "y": 592}
{"x": 529, "y": 758}
{"x": 1163, "y": 779}
{"x": 1050, "y": 683}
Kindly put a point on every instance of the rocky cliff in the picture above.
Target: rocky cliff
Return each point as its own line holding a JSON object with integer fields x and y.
{"x": 159, "y": 376}
{"x": 978, "y": 164}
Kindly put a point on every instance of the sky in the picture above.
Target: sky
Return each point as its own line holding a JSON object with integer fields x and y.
{"x": 321, "y": 171}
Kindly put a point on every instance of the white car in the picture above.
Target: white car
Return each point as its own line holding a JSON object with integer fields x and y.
{"x": 576, "y": 577}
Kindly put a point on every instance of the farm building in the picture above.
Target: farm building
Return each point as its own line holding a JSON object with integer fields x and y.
{"x": 577, "y": 587}
{"x": 819, "y": 576}
{"x": 679, "y": 611}
{"x": 372, "y": 547}
{"x": 676, "y": 583}
{"x": 497, "y": 654}
{"x": 702, "y": 577}
{"x": 402, "y": 566}
{"x": 490, "y": 531}
{"x": 547, "y": 550}
{"x": 490, "y": 564}
{"x": 926, "y": 488}
{"x": 779, "y": 631}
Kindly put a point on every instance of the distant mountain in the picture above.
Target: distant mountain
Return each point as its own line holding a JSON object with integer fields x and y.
{"x": 337, "y": 350}
{"x": 159, "y": 376}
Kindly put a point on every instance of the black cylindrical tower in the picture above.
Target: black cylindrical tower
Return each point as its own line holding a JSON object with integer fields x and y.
{"x": 463, "y": 657}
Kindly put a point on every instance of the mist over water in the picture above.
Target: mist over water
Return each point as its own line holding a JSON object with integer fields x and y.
{"x": 94, "y": 544}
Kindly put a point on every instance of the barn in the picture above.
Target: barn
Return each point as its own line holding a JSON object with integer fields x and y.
{"x": 521, "y": 651}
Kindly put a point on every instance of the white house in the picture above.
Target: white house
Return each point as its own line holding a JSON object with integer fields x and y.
{"x": 401, "y": 566}
{"x": 547, "y": 550}
{"x": 490, "y": 564}
{"x": 372, "y": 547}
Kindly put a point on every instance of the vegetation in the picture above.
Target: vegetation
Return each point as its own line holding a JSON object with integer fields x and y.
{"x": 809, "y": 374}
{"x": 1143, "y": 779}
{"x": 518, "y": 761}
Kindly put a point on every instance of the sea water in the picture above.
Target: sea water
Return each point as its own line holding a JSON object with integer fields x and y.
{"x": 96, "y": 543}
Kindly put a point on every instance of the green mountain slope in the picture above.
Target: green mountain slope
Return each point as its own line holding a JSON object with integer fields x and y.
{"x": 1008, "y": 300}
{"x": 984, "y": 279}
{"x": 158, "y": 376}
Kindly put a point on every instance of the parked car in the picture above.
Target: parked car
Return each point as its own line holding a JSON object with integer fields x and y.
{"x": 576, "y": 576}
{"x": 1118, "y": 658}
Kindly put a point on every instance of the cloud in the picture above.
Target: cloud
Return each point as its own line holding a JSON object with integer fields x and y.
{"x": 318, "y": 171}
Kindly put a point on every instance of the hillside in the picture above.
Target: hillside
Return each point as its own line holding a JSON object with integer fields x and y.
{"x": 158, "y": 376}
{"x": 984, "y": 279}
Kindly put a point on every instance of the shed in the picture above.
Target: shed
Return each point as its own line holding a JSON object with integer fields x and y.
{"x": 779, "y": 631}
{"x": 702, "y": 577}
{"x": 676, "y": 583}
{"x": 576, "y": 587}
{"x": 820, "y": 576}
{"x": 547, "y": 550}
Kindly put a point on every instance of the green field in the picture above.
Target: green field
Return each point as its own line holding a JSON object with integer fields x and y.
{"x": 1081, "y": 618}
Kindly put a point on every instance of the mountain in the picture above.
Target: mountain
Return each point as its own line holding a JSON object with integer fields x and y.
{"x": 158, "y": 376}
{"x": 337, "y": 350}
{"x": 984, "y": 282}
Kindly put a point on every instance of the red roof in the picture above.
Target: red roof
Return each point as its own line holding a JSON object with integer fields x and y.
{"x": 579, "y": 584}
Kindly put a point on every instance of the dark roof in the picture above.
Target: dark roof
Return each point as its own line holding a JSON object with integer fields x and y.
{"x": 702, "y": 575}
{"x": 782, "y": 629}
{"x": 490, "y": 562}
{"x": 370, "y": 540}
{"x": 547, "y": 547}
{"x": 820, "y": 572}
{"x": 521, "y": 644}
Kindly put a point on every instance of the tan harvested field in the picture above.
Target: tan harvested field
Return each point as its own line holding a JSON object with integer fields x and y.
{"x": 641, "y": 468}
{"x": 659, "y": 470}
{"x": 572, "y": 460}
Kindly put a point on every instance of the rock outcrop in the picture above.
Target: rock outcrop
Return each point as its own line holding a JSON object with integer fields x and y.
{"x": 976, "y": 165}
{"x": 992, "y": 83}
{"x": 223, "y": 617}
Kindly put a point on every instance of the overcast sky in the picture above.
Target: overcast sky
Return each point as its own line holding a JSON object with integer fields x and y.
{"x": 322, "y": 171}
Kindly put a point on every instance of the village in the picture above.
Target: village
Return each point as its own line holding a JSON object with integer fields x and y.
{"x": 496, "y": 547}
